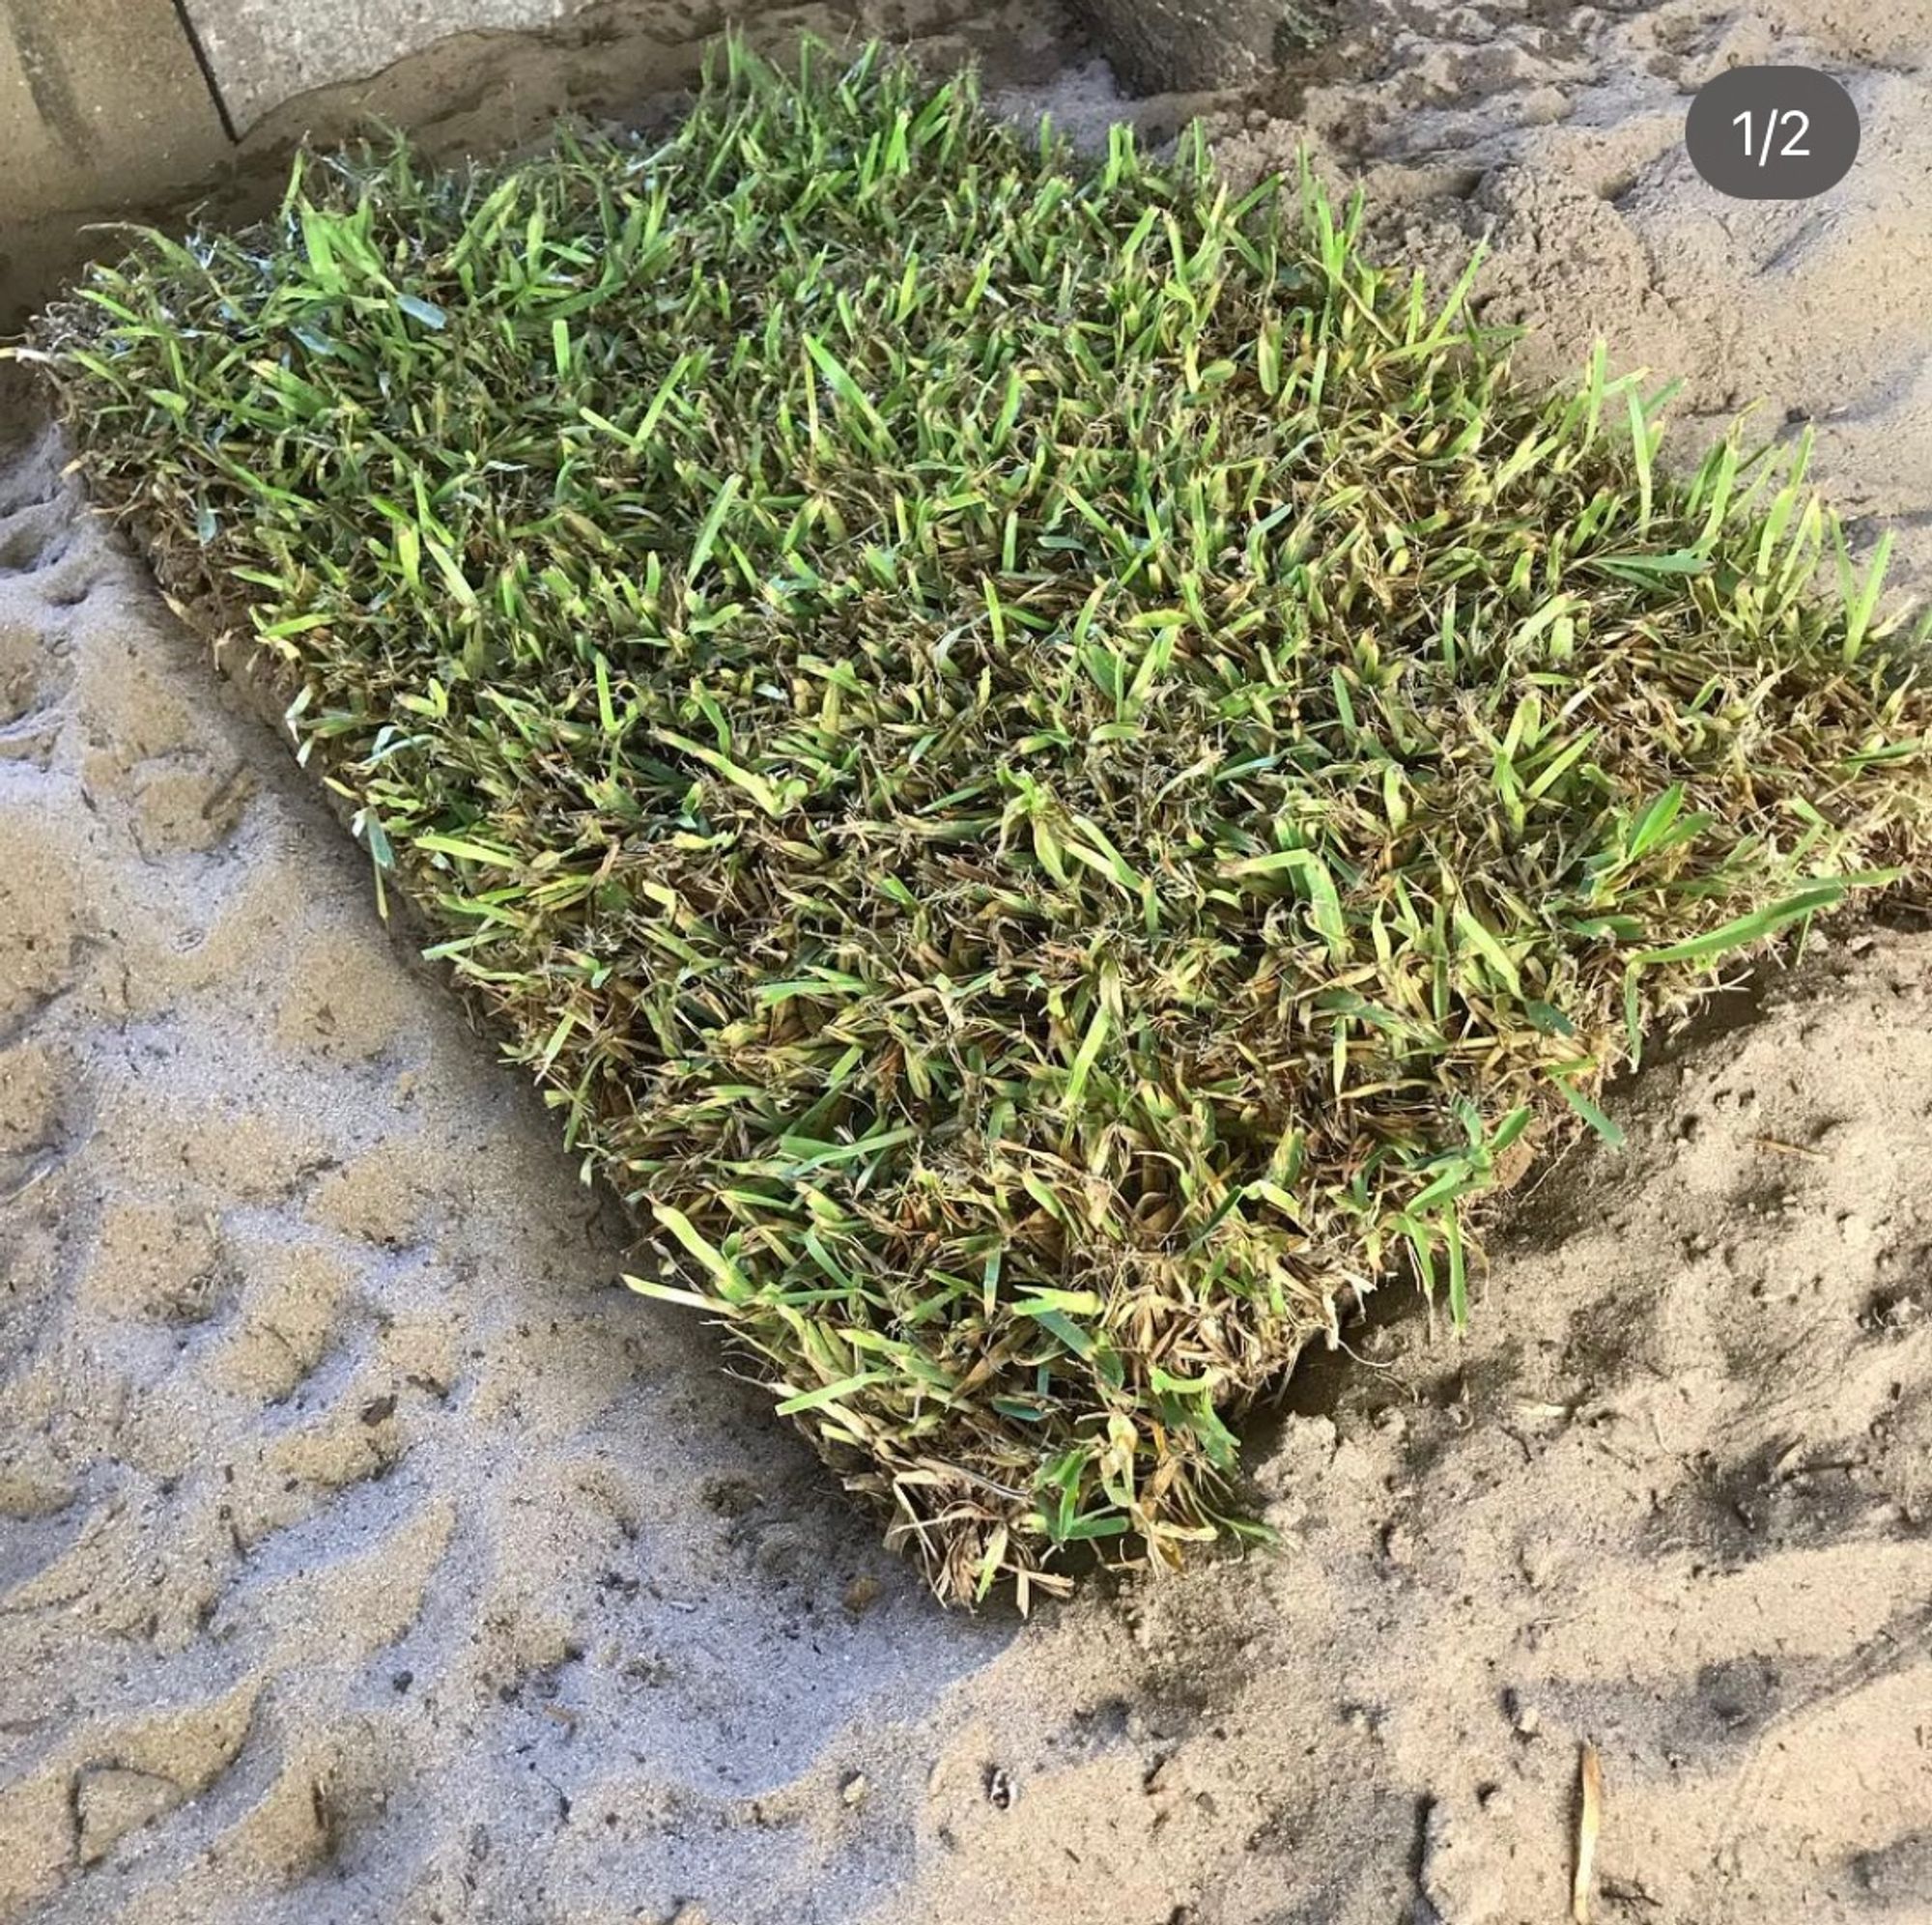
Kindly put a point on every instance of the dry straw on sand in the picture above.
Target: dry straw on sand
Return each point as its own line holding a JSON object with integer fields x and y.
{"x": 1048, "y": 768}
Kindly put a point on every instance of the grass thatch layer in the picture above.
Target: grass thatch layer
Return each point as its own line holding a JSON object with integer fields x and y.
{"x": 1046, "y": 768}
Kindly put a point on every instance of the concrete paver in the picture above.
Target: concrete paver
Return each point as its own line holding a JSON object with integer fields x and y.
{"x": 98, "y": 102}
{"x": 264, "y": 52}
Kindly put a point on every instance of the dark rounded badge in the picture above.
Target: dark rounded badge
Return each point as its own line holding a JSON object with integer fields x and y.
{"x": 1772, "y": 133}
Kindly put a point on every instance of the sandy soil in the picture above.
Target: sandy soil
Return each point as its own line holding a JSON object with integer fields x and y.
{"x": 367, "y": 1554}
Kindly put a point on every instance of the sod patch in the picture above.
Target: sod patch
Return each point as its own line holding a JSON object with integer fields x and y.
{"x": 1053, "y": 773}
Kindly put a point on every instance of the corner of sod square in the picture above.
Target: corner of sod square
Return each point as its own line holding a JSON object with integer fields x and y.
{"x": 1054, "y": 775}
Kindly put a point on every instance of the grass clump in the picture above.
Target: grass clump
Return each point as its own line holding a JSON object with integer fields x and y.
{"x": 1049, "y": 769}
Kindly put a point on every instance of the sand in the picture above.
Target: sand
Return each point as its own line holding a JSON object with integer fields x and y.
{"x": 368, "y": 1553}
